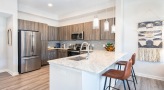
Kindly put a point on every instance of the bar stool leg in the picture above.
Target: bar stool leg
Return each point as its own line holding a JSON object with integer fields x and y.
{"x": 120, "y": 67}
{"x": 133, "y": 81}
{"x": 124, "y": 84}
{"x": 105, "y": 83}
{"x": 134, "y": 75}
{"x": 109, "y": 83}
{"x": 117, "y": 69}
{"x": 128, "y": 84}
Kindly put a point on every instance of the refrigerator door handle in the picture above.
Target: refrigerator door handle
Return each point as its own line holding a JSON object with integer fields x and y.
{"x": 30, "y": 57}
{"x": 32, "y": 50}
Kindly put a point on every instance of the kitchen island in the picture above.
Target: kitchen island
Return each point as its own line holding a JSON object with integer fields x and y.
{"x": 72, "y": 74}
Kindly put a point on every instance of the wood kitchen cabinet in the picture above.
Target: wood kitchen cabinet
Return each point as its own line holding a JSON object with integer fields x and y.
{"x": 107, "y": 35}
{"x": 52, "y": 33}
{"x": 87, "y": 30}
{"x": 61, "y": 33}
{"x": 43, "y": 29}
{"x": 65, "y": 32}
{"x": 69, "y": 30}
{"x": 52, "y": 54}
{"x": 78, "y": 28}
{"x": 44, "y": 52}
{"x": 27, "y": 25}
{"x": 90, "y": 33}
{"x": 62, "y": 53}
{"x": 20, "y": 24}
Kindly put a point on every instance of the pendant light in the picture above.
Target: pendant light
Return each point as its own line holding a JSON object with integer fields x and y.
{"x": 95, "y": 23}
{"x": 113, "y": 26}
{"x": 106, "y": 24}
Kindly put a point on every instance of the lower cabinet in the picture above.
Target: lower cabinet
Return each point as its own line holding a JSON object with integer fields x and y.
{"x": 52, "y": 54}
{"x": 62, "y": 53}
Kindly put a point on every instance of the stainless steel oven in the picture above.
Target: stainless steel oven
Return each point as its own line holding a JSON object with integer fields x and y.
{"x": 77, "y": 36}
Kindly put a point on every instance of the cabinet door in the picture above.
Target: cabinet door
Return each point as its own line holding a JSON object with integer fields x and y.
{"x": 44, "y": 52}
{"x": 61, "y": 33}
{"x": 69, "y": 31}
{"x": 64, "y": 53}
{"x": 52, "y": 54}
{"x": 36, "y": 26}
{"x": 107, "y": 35}
{"x": 59, "y": 53}
{"x": 27, "y": 25}
{"x": 64, "y": 33}
{"x": 52, "y": 33}
{"x": 78, "y": 27}
{"x": 43, "y": 28}
{"x": 20, "y": 24}
{"x": 55, "y": 33}
{"x": 88, "y": 31}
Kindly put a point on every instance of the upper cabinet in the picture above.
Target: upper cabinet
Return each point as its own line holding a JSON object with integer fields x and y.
{"x": 107, "y": 35}
{"x": 52, "y": 33}
{"x": 78, "y": 27}
{"x": 43, "y": 29}
{"x": 69, "y": 30}
{"x": 90, "y": 33}
{"x": 27, "y": 25}
{"x": 63, "y": 33}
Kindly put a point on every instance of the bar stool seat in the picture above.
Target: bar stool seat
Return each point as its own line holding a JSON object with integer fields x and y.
{"x": 114, "y": 74}
{"x": 121, "y": 62}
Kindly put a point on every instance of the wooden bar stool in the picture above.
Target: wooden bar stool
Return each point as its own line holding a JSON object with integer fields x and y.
{"x": 119, "y": 63}
{"x": 118, "y": 74}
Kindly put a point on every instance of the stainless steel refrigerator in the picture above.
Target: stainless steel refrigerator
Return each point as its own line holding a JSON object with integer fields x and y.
{"x": 29, "y": 50}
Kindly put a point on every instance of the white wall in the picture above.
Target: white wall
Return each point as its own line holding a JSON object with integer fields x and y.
{"x": 3, "y": 45}
{"x": 10, "y": 7}
{"x": 135, "y": 11}
{"x": 102, "y": 14}
{"x": 32, "y": 17}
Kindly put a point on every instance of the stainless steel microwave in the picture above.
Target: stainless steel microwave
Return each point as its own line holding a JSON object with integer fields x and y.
{"x": 77, "y": 36}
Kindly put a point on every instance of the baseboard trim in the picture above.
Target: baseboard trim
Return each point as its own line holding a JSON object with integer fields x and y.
{"x": 12, "y": 73}
{"x": 9, "y": 71}
{"x": 150, "y": 76}
{"x": 3, "y": 70}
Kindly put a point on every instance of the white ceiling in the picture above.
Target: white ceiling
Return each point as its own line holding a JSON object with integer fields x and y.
{"x": 61, "y": 7}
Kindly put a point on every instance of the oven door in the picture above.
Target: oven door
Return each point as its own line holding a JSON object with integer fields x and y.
{"x": 74, "y": 36}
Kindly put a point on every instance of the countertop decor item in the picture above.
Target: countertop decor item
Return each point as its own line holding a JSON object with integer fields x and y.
{"x": 109, "y": 47}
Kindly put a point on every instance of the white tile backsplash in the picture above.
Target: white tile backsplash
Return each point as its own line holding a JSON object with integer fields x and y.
{"x": 97, "y": 45}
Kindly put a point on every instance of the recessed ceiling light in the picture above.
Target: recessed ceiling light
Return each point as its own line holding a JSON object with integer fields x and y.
{"x": 50, "y": 4}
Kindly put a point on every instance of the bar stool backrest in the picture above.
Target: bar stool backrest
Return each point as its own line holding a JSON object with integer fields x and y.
{"x": 133, "y": 58}
{"x": 127, "y": 69}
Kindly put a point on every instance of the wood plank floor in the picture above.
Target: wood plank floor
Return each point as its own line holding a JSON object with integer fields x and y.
{"x": 36, "y": 80}
{"x": 39, "y": 80}
{"x": 143, "y": 84}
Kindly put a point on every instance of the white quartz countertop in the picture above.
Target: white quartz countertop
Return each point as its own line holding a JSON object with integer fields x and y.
{"x": 99, "y": 60}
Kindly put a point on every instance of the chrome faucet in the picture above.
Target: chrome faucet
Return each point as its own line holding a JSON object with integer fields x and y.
{"x": 87, "y": 49}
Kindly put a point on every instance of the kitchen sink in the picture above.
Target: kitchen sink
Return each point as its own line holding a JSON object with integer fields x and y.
{"x": 78, "y": 58}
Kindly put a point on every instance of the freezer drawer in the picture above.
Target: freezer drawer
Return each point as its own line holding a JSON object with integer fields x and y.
{"x": 30, "y": 64}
